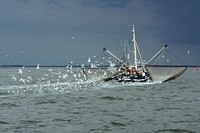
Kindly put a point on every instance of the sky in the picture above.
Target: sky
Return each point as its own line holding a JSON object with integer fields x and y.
{"x": 56, "y": 32}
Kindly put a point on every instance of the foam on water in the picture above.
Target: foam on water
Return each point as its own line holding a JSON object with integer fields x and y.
{"x": 67, "y": 86}
{"x": 44, "y": 80}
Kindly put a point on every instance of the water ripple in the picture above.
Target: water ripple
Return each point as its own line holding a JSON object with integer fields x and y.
{"x": 118, "y": 124}
{"x": 8, "y": 105}
{"x": 111, "y": 98}
{"x": 175, "y": 131}
{"x": 4, "y": 122}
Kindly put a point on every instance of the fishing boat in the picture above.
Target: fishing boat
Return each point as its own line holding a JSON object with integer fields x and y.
{"x": 136, "y": 70}
{"x": 130, "y": 69}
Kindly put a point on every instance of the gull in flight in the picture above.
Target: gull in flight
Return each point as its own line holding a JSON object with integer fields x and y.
{"x": 20, "y": 71}
{"x": 38, "y": 66}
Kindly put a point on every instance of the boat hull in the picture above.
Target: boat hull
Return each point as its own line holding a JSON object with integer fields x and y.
{"x": 133, "y": 79}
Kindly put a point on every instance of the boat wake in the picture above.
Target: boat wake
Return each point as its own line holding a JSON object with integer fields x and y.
{"x": 32, "y": 81}
{"x": 68, "y": 87}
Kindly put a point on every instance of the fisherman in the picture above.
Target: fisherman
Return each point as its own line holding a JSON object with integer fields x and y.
{"x": 128, "y": 71}
{"x": 139, "y": 73}
{"x": 131, "y": 70}
{"x": 134, "y": 72}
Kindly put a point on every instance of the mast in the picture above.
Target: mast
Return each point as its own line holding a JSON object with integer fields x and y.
{"x": 134, "y": 48}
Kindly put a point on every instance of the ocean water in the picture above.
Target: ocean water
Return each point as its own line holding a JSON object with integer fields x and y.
{"x": 56, "y": 100}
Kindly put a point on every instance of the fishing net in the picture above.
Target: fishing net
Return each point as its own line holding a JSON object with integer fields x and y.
{"x": 165, "y": 66}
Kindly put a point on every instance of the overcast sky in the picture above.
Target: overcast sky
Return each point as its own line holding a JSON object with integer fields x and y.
{"x": 54, "y": 32}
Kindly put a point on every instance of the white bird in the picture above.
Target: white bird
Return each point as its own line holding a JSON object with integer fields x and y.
{"x": 89, "y": 71}
{"x": 89, "y": 60}
{"x": 105, "y": 73}
{"x": 46, "y": 75}
{"x": 6, "y": 56}
{"x": 79, "y": 75}
{"x": 20, "y": 71}
{"x": 71, "y": 67}
{"x": 38, "y": 66}
{"x": 22, "y": 80}
{"x": 29, "y": 78}
{"x": 75, "y": 76}
{"x": 188, "y": 52}
{"x": 64, "y": 76}
{"x": 14, "y": 78}
{"x": 93, "y": 65}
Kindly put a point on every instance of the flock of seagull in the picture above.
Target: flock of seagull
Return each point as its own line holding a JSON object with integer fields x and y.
{"x": 27, "y": 75}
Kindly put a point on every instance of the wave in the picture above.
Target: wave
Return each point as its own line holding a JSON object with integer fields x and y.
{"x": 4, "y": 122}
{"x": 8, "y": 105}
{"x": 111, "y": 98}
{"x": 175, "y": 130}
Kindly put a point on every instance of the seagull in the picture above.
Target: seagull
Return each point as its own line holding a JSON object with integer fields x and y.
{"x": 105, "y": 73}
{"x": 6, "y": 56}
{"x": 28, "y": 79}
{"x": 71, "y": 67}
{"x": 14, "y": 78}
{"x": 188, "y": 52}
{"x": 38, "y": 66}
{"x": 89, "y": 60}
{"x": 20, "y": 71}
{"x": 22, "y": 80}
{"x": 64, "y": 76}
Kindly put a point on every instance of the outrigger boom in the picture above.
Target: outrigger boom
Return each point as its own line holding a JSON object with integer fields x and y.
{"x": 104, "y": 49}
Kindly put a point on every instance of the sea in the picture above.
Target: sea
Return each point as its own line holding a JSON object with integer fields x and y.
{"x": 59, "y": 100}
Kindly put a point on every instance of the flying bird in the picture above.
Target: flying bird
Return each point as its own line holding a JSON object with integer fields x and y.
{"x": 20, "y": 71}
{"x": 6, "y": 56}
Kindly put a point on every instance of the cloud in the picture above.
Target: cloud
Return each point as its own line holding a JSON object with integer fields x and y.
{"x": 28, "y": 25}
{"x": 179, "y": 20}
